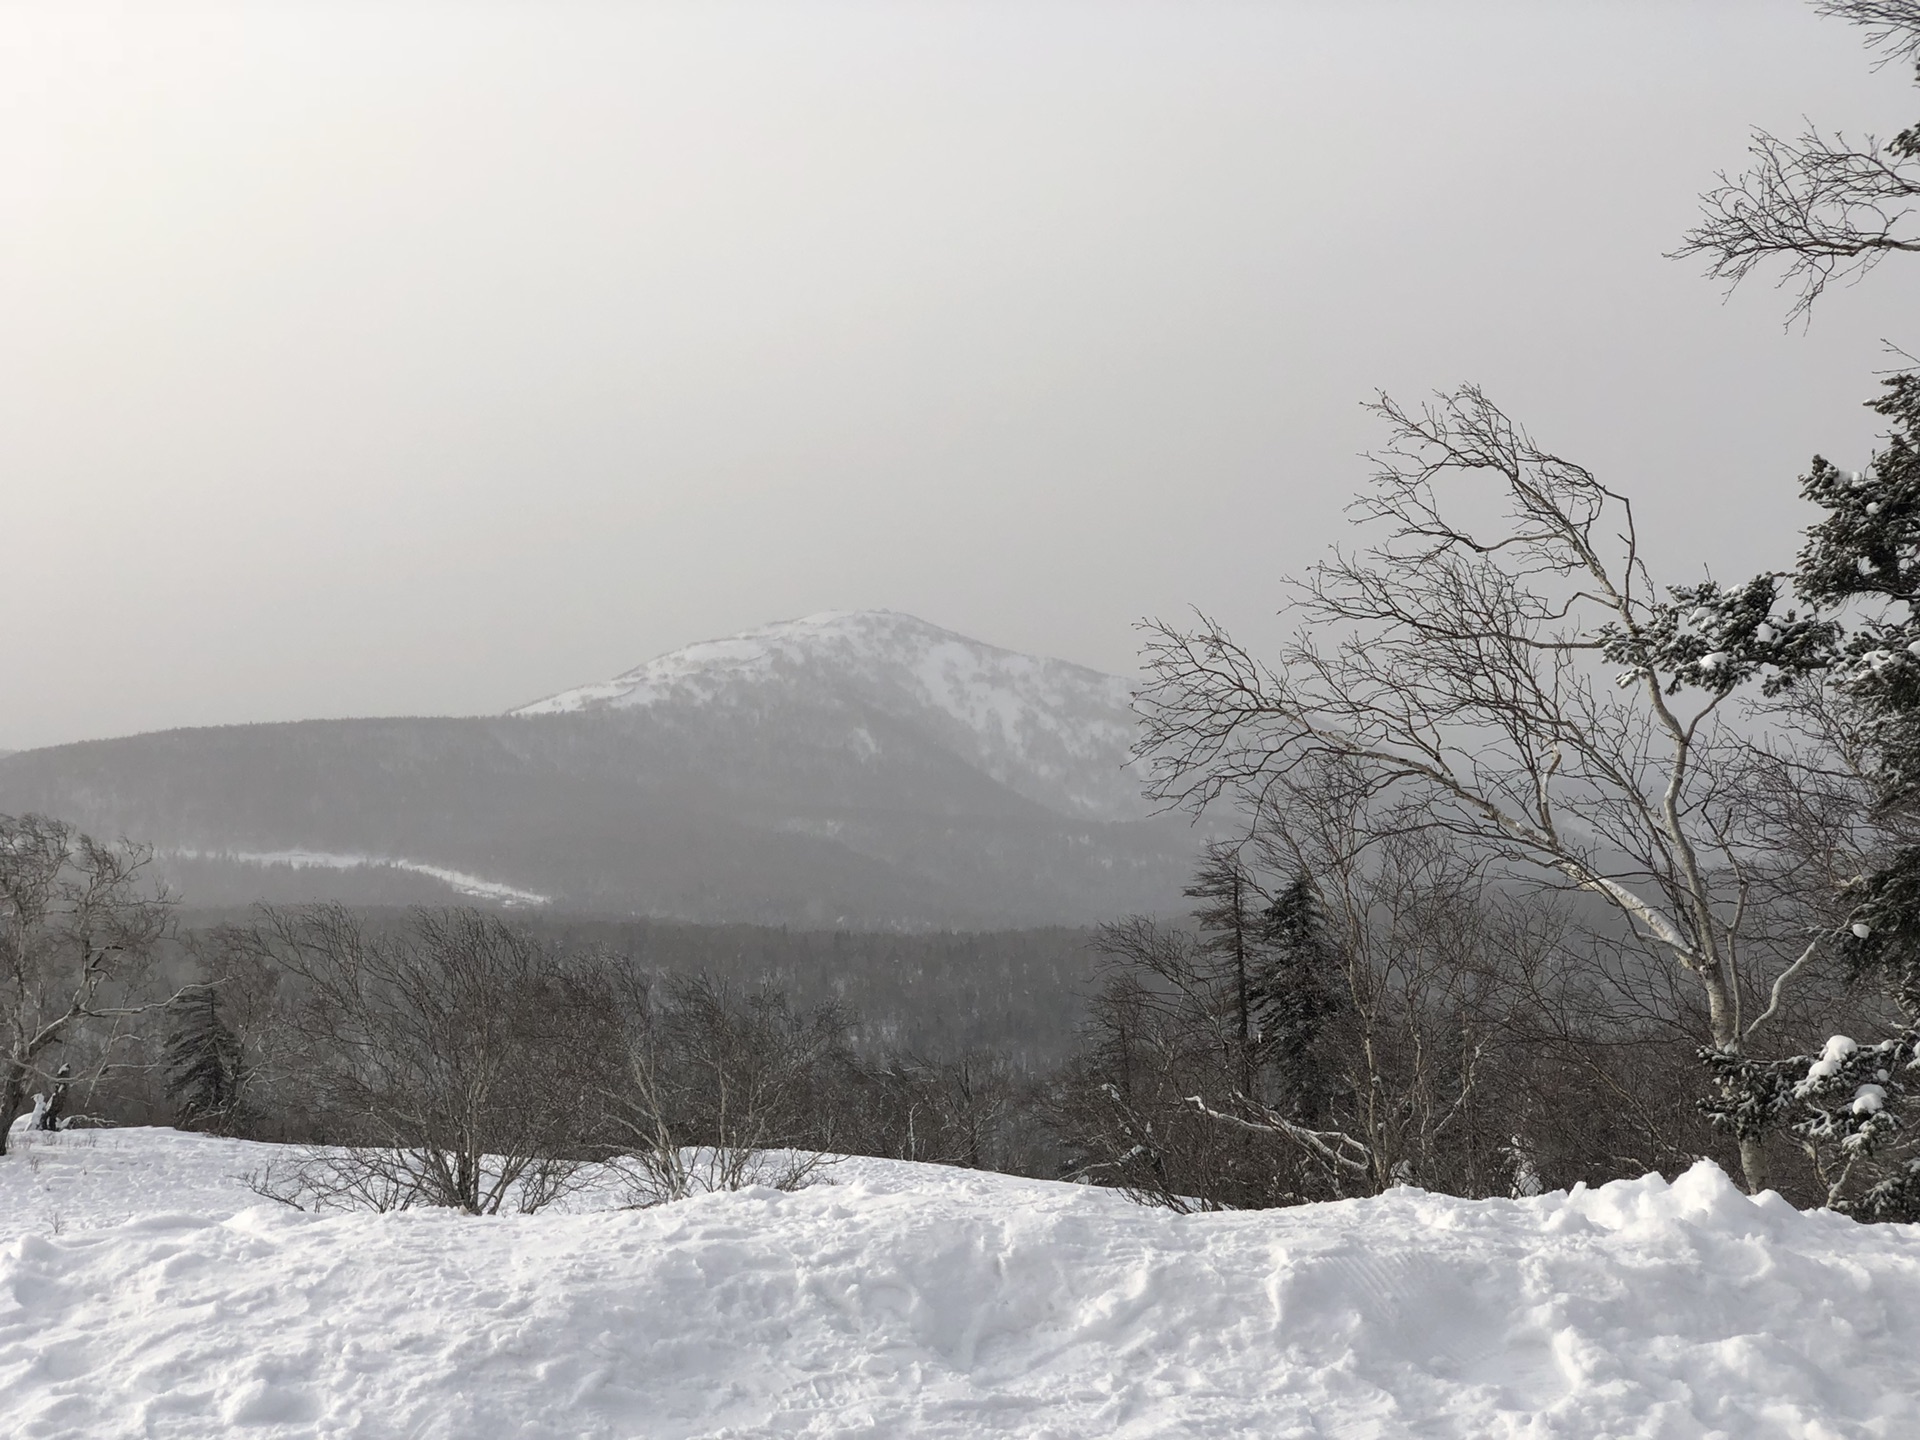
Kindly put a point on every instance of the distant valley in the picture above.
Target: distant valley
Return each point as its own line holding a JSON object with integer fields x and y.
{"x": 858, "y": 769}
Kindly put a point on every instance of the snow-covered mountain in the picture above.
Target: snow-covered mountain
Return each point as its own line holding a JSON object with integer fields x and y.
{"x": 1055, "y": 732}
{"x": 861, "y": 768}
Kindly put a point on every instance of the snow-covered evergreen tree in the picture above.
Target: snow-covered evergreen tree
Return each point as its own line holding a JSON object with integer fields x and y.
{"x": 1860, "y": 570}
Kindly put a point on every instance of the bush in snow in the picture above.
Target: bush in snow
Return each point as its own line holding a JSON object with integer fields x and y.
{"x": 445, "y": 1059}
{"x": 701, "y": 1087}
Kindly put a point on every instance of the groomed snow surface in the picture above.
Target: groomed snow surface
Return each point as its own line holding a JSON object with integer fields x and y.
{"x": 144, "y": 1291}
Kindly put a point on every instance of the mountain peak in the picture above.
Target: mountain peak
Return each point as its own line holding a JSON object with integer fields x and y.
{"x": 1057, "y": 732}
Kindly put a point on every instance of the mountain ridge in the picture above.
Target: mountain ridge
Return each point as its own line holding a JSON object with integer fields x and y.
{"x": 1057, "y": 731}
{"x": 859, "y": 768}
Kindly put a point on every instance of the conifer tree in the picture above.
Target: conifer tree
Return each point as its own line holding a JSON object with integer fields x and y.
{"x": 1294, "y": 996}
{"x": 204, "y": 1061}
{"x": 1229, "y": 927}
{"x": 1860, "y": 570}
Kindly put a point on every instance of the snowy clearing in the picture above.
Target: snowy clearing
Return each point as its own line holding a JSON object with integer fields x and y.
{"x": 145, "y": 1292}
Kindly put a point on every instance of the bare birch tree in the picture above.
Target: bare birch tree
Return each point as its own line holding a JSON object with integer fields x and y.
{"x": 78, "y": 918}
{"x": 1824, "y": 207}
{"x": 1502, "y": 664}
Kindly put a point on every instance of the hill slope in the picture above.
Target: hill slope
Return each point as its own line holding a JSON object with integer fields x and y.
{"x": 860, "y": 768}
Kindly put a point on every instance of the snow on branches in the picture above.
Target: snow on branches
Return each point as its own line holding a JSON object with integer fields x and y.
{"x": 1716, "y": 640}
{"x": 1844, "y": 1105}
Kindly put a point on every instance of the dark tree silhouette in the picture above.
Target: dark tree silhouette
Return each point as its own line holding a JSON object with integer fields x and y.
{"x": 1296, "y": 993}
{"x": 203, "y": 1059}
{"x": 1229, "y": 925}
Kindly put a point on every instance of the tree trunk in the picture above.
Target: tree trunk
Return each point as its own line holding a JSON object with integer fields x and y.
{"x": 13, "y": 1092}
{"x": 1723, "y": 1019}
{"x": 1753, "y": 1166}
{"x": 1240, "y": 983}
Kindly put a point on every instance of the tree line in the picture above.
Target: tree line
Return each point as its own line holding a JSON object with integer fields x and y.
{"x": 1349, "y": 1007}
{"x": 455, "y": 1057}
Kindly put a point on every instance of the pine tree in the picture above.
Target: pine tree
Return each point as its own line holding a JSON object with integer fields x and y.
{"x": 1230, "y": 930}
{"x": 1861, "y": 562}
{"x": 1294, "y": 995}
{"x": 204, "y": 1061}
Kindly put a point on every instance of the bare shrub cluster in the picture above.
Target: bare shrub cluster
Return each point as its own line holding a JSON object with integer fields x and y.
{"x": 704, "y": 1088}
{"x": 458, "y": 1060}
{"x": 440, "y": 1062}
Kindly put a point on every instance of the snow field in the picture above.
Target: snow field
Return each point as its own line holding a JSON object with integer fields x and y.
{"x": 145, "y": 1292}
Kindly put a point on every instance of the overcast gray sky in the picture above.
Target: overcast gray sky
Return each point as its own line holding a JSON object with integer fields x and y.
{"x": 403, "y": 358}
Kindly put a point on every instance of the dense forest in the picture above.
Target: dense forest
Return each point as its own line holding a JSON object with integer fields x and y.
{"x": 1302, "y": 1035}
{"x": 1020, "y": 993}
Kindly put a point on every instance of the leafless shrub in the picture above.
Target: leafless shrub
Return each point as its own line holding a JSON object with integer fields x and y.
{"x": 445, "y": 1060}
{"x": 382, "y": 1178}
{"x": 702, "y": 1088}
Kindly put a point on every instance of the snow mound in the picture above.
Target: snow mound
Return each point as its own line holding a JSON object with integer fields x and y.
{"x": 905, "y": 1300}
{"x": 1059, "y": 732}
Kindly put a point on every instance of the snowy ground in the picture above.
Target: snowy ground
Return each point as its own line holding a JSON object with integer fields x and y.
{"x": 145, "y": 1292}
